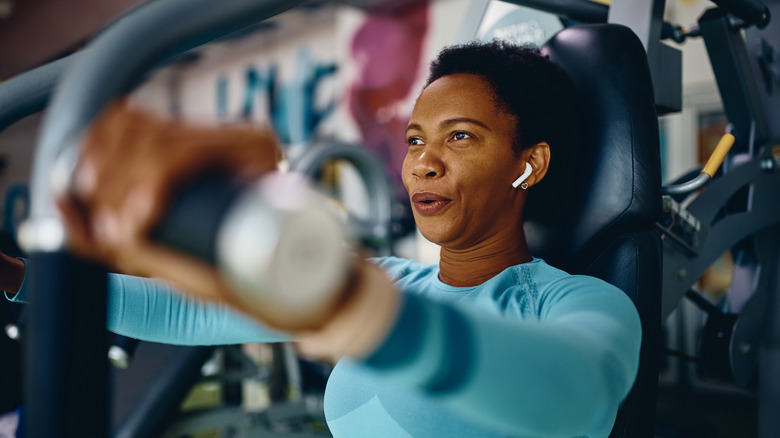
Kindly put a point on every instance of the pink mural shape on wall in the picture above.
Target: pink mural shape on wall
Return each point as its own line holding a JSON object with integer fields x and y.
{"x": 387, "y": 49}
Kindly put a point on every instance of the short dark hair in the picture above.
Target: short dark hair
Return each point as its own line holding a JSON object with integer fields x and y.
{"x": 526, "y": 84}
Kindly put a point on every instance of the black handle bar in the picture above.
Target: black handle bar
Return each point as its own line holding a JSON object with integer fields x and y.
{"x": 193, "y": 218}
{"x": 587, "y": 11}
{"x": 750, "y": 11}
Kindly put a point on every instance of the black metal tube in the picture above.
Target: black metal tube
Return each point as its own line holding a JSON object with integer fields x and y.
{"x": 769, "y": 353}
{"x": 681, "y": 268}
{"x": 207, "y": 199}
{"x": 751, "y": 11}
{"x": 67, "y": 378}
{"x": 579, "y": 10}
{"x": 738, "y": 89}
{"x": 29, "y": 92}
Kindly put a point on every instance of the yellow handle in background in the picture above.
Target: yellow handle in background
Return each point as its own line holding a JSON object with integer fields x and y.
{"x": 718, "y": 155}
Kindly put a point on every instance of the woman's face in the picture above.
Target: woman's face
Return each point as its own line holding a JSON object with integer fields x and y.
{"x": 460, "y": 164}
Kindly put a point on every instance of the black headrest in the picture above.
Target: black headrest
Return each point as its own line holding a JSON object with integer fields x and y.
{"x": 613, "y": 182}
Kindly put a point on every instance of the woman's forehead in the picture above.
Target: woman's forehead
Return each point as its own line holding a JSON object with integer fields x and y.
{"x": 458, "y": 95}
{"x": 466, "y": 85}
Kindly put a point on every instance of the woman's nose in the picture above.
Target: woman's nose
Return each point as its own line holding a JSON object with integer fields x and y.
{"x": 428, "y": 164}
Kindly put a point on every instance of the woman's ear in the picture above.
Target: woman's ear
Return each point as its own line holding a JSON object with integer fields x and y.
{"x": 538, "y": 156}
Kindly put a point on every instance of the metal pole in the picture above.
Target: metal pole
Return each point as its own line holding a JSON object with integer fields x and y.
{"x": 29, "y": 92}
{"x": 67, "y": 379}
{"x": 738, "y": 89}
{"x": 769, "y": 353}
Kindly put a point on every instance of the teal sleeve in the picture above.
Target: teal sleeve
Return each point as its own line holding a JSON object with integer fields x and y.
{"x": 554, "y": 377}
{"x": 152, "y": 310}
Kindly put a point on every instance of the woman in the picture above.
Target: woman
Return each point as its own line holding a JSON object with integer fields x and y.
{"x": 489, "y": 342}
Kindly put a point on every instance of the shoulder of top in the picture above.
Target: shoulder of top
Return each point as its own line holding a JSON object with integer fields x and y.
{"x": 397, "y": 266}
{"x": 582, "y": 282}
{"x": 389, "y": 261}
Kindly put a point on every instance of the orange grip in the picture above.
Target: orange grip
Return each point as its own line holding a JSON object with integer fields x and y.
{"x": 720, "y": 152}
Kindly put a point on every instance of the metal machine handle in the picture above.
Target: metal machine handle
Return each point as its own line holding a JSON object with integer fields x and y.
{"x": 708, "y": 172}
{"x": 376, "y": 230}
{"x": 276, "y": 242}
{"x": 114, "y": 62}
{"x": 196, "y": 212}
{"x": 29, "y": 92}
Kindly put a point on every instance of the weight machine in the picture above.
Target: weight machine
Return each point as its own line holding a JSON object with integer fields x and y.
{"x": 737, "y": 208}
{"x": 695, "y": 233}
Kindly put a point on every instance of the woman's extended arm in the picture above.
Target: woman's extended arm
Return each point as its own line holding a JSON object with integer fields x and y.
{"x": 560, "y": 376}
{"x": 152, "y": 310}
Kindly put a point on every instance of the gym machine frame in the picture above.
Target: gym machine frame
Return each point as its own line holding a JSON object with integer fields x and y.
{"x": 70, "y": 400}
{"x": 695, "y": 235}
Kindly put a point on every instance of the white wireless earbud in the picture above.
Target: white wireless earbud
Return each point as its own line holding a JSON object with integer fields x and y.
{"x": 523, "y": 177}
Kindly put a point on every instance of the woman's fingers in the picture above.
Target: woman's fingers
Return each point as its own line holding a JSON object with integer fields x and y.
{"x": 133, "y": 162}
{"x": 362, "y": 319}
{"x": 185, "y": 273}
{"x": 130, "y": 167}
{"x": 79, "y": 231}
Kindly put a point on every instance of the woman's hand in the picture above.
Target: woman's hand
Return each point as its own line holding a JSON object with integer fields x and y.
{"x": 131, "y": 164}
{"x": 130, "y": 167}
{"x": 359, "y": 322}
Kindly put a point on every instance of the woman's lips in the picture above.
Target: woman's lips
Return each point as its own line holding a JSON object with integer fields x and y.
{"x": 429, "y": 204}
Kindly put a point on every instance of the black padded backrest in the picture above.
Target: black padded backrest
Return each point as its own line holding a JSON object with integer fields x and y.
{"x": 595, "y": 213}
{"x": 615, "y": 184}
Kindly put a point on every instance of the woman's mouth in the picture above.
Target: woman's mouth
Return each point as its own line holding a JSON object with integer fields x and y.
{"x": 429, "y": 204}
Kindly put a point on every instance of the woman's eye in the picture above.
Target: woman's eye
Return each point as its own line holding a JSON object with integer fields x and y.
{"x": 414, "y": 141}
{"x": 460, "y": 135}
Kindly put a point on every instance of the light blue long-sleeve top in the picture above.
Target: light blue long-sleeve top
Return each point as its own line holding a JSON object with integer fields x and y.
{"x": 532, "y": 352}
